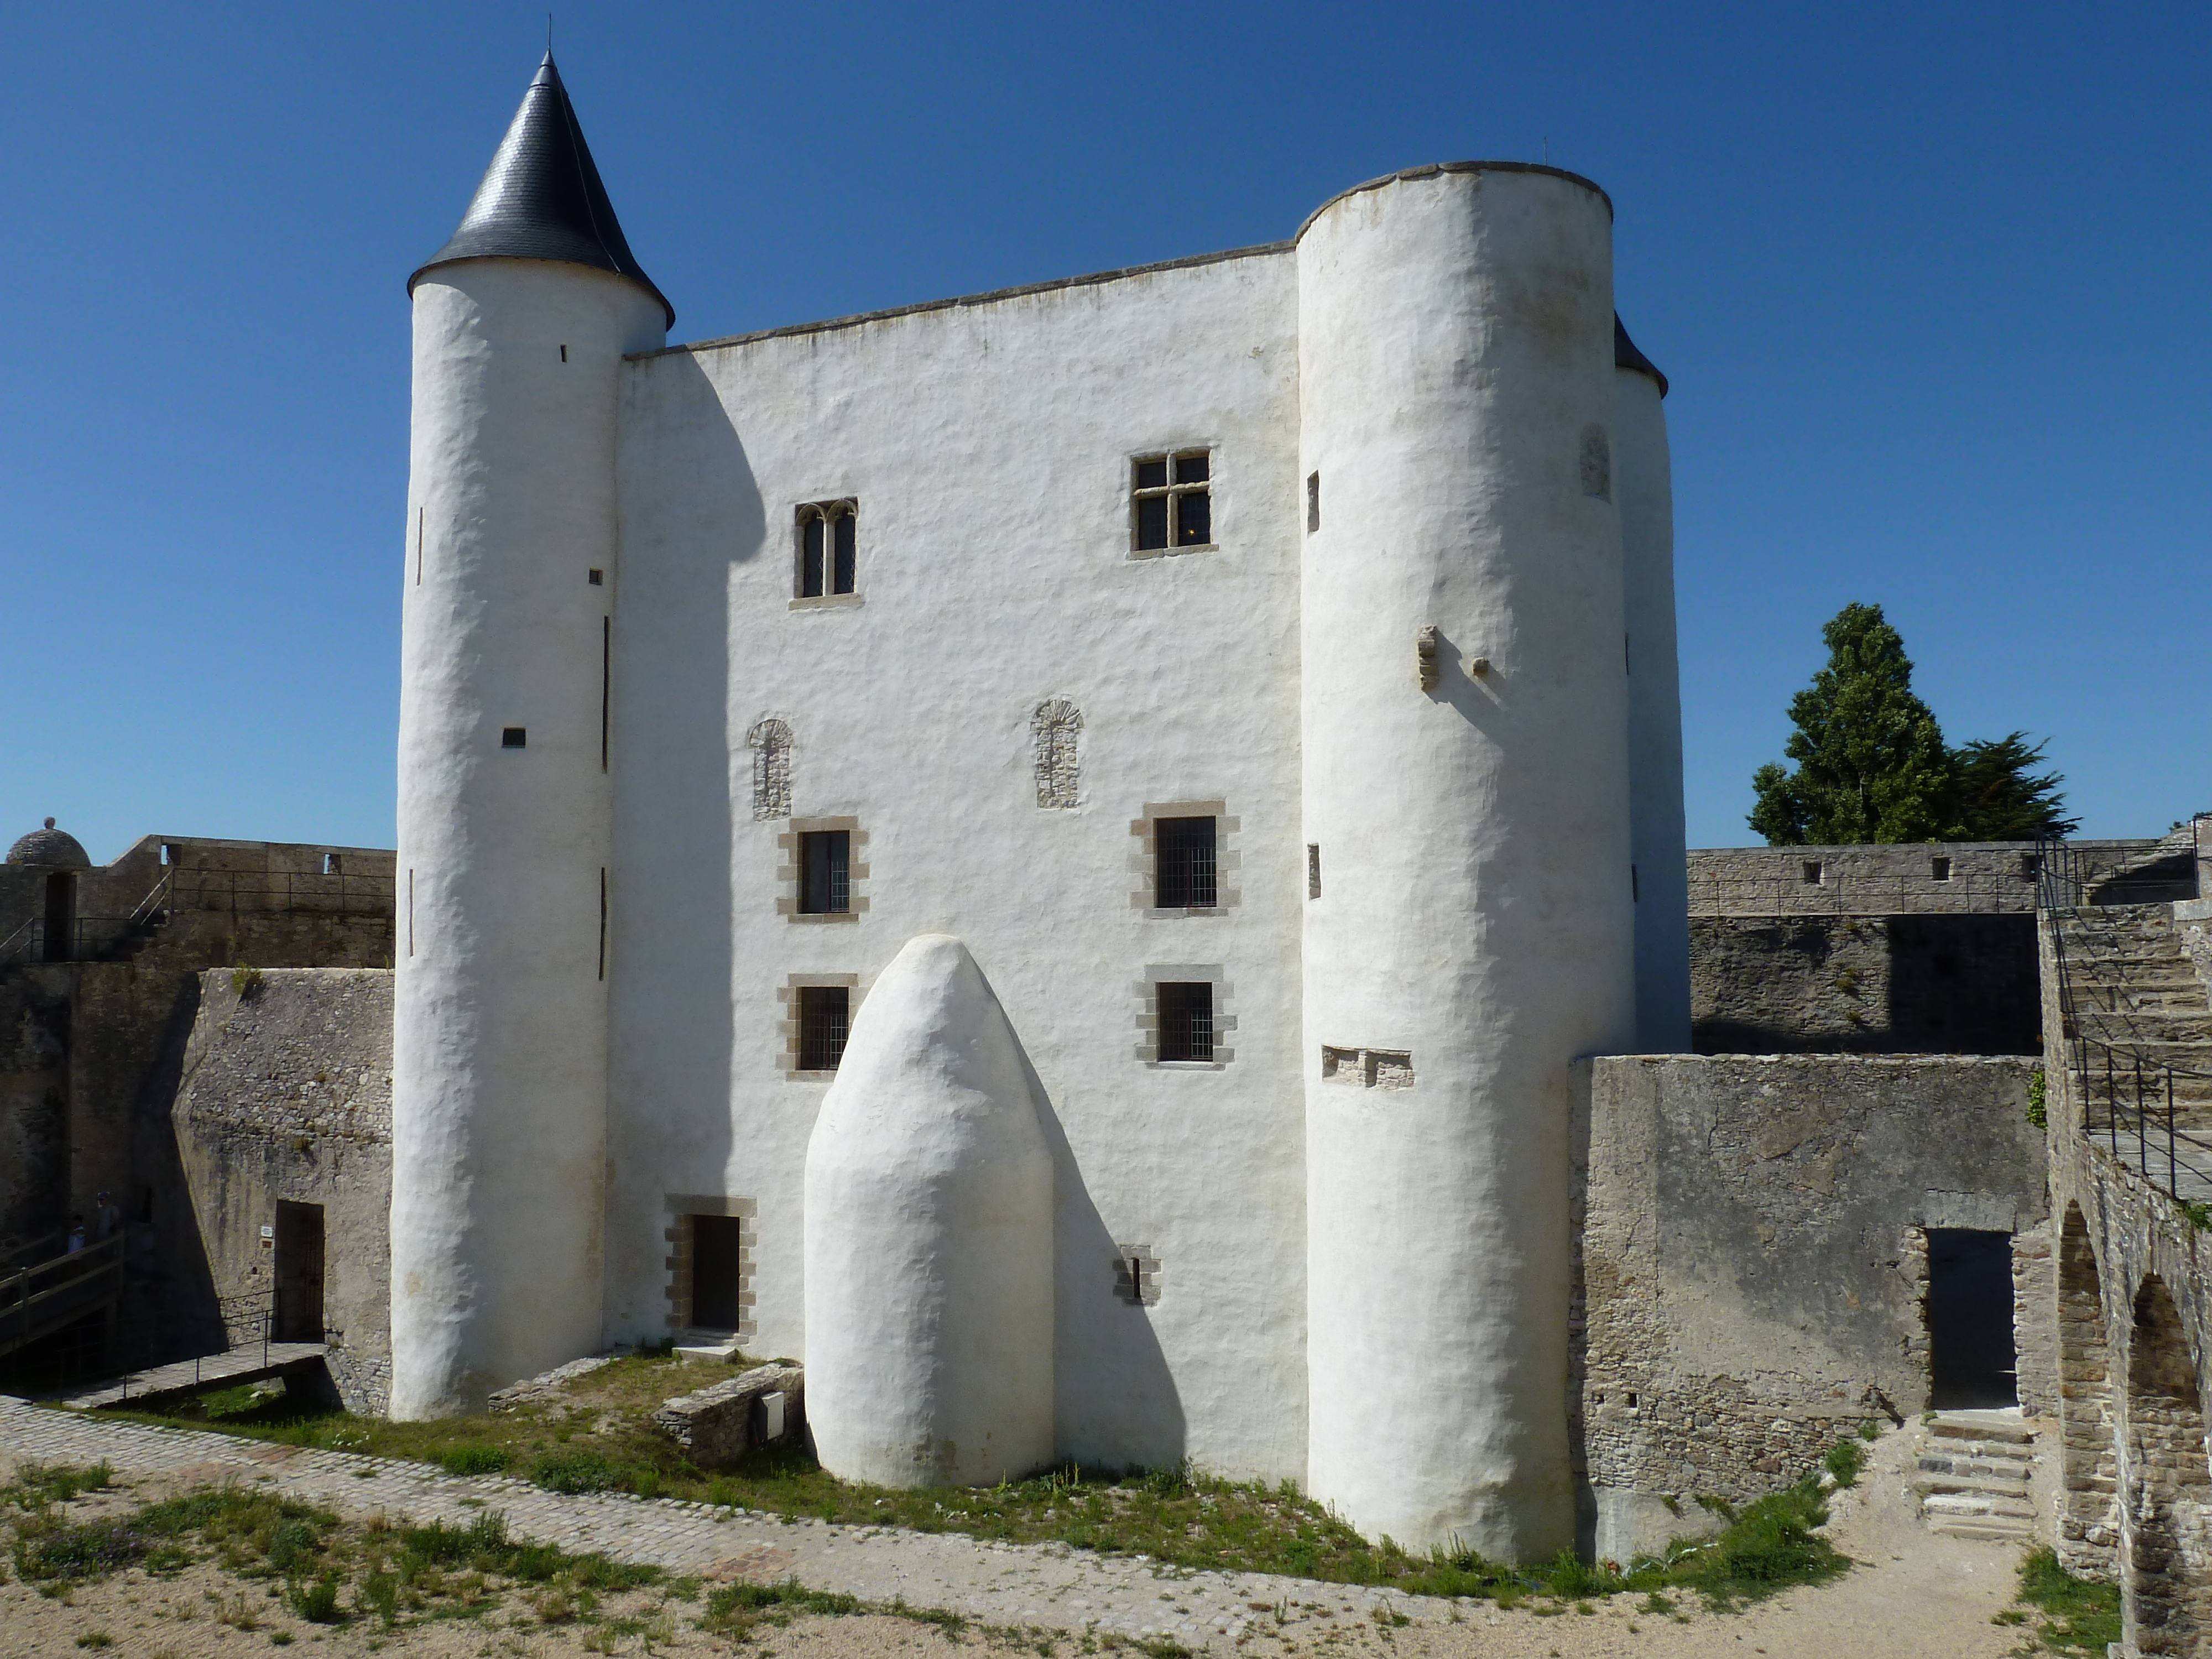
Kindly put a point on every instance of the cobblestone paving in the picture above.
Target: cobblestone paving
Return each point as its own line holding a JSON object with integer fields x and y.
{"x": 1019, "y": 1584}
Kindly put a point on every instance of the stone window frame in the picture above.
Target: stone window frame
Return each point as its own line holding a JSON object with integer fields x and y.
{"x": 786, "y": 996}
{"x": 1143, "y": 863}
{"x": 1171, "y": 454}
{"x": 828, "y": 511}
{"x": 1368, "y": 1068}
{"x": 1148, "y": 1014}
{"x": 771, "y": 743}
{"x": 680, "y": 1208}
{"x": 1136, "y": 1275}
{"x": 788, "y": 875}
{"x": 1056, "y": 754}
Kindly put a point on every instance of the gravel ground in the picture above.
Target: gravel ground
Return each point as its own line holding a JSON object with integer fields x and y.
{"x": 1916, "y": 1595}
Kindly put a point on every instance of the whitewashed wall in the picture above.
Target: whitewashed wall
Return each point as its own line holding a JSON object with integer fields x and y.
{"x": 988, "y": 446}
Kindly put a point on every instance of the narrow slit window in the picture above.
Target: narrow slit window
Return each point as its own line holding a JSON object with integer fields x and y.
{"x": 1172, "y": 502}
{"x": 825, "y": 1015}
{"x": 603, "y": 921}
{"x": 606, "y": 680}
{"x": 825, "y": 872}
{"x": 1313, "y": 502}
{"x": 1313, "y": 870}
{"x": 1186, "y": 1014}
{"x": 1185, "y": 874}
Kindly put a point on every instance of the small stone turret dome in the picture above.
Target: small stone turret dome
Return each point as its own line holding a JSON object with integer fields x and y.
{"x": 50, "y": 846}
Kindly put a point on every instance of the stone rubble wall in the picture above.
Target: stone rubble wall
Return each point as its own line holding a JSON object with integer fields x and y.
{"x": 1752, "y": 1262}
{"x": 715, "y": 1425}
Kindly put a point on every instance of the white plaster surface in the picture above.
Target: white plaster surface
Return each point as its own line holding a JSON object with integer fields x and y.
{"x": 498, "y": 1059}
{"x": 928, "y": 1239}
{"x": 1456, "y": 339}
{"x": 1643, "y": 483}
{"x": 988, "y": 446}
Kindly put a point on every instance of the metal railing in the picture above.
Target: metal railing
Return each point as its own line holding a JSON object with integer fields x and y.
{"x": 2141, "y": 1096}
{"x": 188, "y": 887}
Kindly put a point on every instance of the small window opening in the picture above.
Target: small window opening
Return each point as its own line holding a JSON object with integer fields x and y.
{"x": 825, "y": 872}
{"x": 564, "y": 354}
{"x": 1313, "y": 502}
{"x": 823, "y": 1016}
{"x": 828, "y": 549}
{"x": 1631, "y": 1402}
{"x": 514, "y": 737}
{"x": 1172, "y": 501}
{"x": 1186, "y": 1020}
{"x": 1812, "y": 872}
{"x": 1939, "y": 869}
{"x": 333, "y": 865}
{"x": 1971, "y": 1359}
{"x": 597, "y": 578}
{"x": 171, "y": 853}
{"x": 1136, "y": 1275}
{"x": 1184, "y": 875}
{"x": 1313, "y": 870}
{"x": 2031, "y": 867}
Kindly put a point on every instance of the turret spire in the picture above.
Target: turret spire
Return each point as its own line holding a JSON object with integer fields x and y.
{"x": 541, "y": 198}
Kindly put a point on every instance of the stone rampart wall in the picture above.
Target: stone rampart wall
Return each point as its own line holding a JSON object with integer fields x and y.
{"x": 286, "y": 1096}
{"x": 1752, "y": 1262}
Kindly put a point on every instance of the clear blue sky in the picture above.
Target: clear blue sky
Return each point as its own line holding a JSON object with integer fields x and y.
{"x": 1930, "y": 282}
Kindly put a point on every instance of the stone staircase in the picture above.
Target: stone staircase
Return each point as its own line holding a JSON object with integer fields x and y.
{"x": 2133, "y": 988}
{"x": 1975, "y": 1475}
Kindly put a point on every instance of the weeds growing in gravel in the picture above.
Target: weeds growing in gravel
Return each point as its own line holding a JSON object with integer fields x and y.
{"x": 2078, "y": 1617}
{"x": 1179, "y": 1517}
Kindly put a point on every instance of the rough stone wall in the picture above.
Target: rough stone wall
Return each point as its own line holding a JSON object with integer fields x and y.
{"x": 286, "y": 1096}
{"x": 1917, "y": 878}
{"x": 34, "y": 1045}
{"x": 1752, "y": 1262}
{"x": 1858, "y": 984}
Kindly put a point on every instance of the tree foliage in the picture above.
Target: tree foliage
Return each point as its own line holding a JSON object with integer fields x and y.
{"x": 1996, "y": 797}
{"x": 1872, "y": 764}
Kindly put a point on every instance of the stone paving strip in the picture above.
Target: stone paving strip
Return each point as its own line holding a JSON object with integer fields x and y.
{"x": 1048, "y": 1585}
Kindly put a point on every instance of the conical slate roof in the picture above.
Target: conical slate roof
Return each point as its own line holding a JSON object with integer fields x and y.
{"x": 541, "y": 198}
{"x": 1625, "y": 355}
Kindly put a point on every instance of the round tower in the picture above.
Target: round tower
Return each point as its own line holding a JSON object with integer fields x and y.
{"x": 1464, "y": 716}
{"x": 929, "y": 1239}
{"x": 1645, "y": 484}
{"x": 499, "y": 1038}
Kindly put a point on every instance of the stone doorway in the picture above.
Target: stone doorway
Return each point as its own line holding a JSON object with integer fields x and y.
{"x": 299, "y": 1313}
{"x": 1971, "y": 1363}
{"x": 60, "y": 942}
{"x": 717, "y": 1273}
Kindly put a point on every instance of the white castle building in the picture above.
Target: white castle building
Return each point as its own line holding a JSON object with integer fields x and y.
{"x": 1208, "y": 732}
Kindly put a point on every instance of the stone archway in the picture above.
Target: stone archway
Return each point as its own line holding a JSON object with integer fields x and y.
{"x": 2088, "y": 1515}
{"x": 2165, "y": 1544}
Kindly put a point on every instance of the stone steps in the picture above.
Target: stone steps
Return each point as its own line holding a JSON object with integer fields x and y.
{"x": 1974, "y": 1476}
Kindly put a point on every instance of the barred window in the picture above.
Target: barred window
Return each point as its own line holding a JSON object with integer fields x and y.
{"x": 829, "y": 549}
{"x": 824, "y": 1014}
{"x": 825, "y": 872}
{"x": 1184, "y": 875}
{"x": 1172, "y": 503}
{"x": 1186, "y": 1020}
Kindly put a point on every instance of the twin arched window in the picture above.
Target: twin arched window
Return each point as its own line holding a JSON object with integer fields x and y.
{"x": 829, "y": 549}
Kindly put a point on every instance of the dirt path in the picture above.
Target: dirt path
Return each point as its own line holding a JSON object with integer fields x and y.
{"x": 1916, "y": 1595}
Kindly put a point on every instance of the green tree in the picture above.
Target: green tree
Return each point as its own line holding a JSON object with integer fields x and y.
{"x": 1871, "y": 761}
{"x": 1995, "y": 797}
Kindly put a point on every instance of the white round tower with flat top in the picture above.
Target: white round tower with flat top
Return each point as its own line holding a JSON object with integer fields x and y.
{"x": 499, "y": 1061}
{"x": 1644, "y": 481}
{"x": 1464, "y": 717}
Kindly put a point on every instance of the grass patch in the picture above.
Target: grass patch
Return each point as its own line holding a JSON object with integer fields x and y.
{"x": 37, "y": 1485}
{"x": 2078, "y": 1617}
{"x": 1179, "y": 1517}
